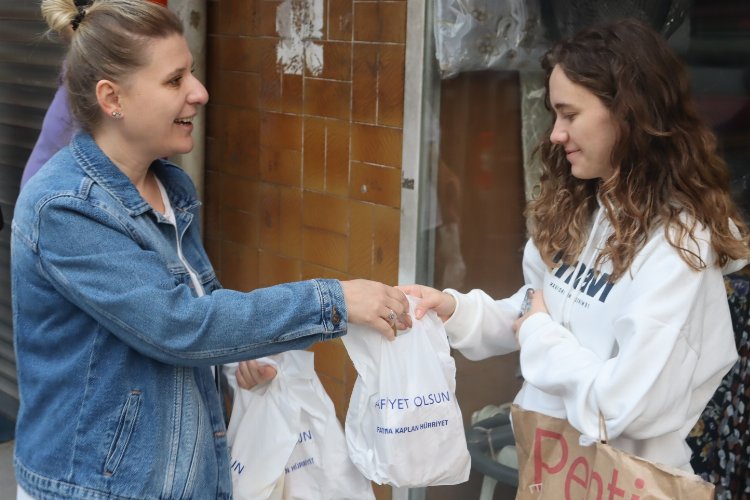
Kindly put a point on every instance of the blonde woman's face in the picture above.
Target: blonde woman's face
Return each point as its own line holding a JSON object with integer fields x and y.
{"x": 584, "y": 127}
{"x": 160, "y": 100}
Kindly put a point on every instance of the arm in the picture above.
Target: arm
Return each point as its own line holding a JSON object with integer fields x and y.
{"x": 129, "y": 291}
{"x": 476, "y": 324}
{"x": 57, "y": 130}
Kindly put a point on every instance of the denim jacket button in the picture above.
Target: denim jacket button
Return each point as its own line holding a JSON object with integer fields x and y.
{"x": 335, "y": 317}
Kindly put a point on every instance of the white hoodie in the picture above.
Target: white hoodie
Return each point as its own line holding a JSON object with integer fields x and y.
{"x": 647, "y": 352}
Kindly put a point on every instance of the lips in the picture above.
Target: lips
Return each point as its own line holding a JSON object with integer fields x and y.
{"x": 185, "y": 121}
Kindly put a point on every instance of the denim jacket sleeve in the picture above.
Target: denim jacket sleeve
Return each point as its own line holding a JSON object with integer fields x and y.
{"x": 92, "y": 256}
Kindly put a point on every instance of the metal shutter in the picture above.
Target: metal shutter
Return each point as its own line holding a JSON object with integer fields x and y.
{"x": 29, "y": 67}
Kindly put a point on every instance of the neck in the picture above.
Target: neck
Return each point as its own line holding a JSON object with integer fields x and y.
{"x": 134, "y": 165}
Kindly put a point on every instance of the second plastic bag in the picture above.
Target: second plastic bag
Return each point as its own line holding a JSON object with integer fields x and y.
{"x": 404, "y": 425}
{"x": 287, "y": 438}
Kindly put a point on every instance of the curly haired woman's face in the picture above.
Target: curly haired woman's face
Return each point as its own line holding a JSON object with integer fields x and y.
{"x": 584, "y": 127}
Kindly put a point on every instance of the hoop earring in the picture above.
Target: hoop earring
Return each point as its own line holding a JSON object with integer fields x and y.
{"x": 116, "y": 115}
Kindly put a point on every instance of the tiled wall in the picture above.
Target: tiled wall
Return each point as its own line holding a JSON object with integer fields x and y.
{"x": 303, "y": 171}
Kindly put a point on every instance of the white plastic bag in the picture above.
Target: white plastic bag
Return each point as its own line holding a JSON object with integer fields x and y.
{"x": 404, "y": 425}
{"x": 319, "y": 467}
{"x": 316, "y": 465}
{"x": 261, "y": 436}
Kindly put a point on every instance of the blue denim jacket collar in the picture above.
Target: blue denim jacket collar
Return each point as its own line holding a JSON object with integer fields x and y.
{"x": 104, "y": 172}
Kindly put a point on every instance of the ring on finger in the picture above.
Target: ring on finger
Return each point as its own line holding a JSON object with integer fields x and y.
{"x": 392, "y": 317}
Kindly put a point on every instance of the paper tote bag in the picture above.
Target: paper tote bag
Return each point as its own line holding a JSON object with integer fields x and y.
{"x": 553, "y": 465}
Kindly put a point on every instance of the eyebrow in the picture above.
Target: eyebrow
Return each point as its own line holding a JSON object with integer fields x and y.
{"x": 561, "y": 106}
{"x": 177, "y": 72}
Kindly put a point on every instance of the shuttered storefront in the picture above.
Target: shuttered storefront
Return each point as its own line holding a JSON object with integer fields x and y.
{"x": 29, "y": 66}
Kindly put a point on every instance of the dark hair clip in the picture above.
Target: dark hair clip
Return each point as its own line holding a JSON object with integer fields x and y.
{"x": 79, "y": 17}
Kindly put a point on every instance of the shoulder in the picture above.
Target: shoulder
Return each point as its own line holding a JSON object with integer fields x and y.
{"x": 685, "y": 243}
{"x": 61, "y": 174}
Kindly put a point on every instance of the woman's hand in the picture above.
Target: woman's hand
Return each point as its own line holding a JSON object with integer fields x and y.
{"x": 251, "y": 373}
{"x": 537, "y": 305}
{"x": 376, "y": 305}
{"x": 442, "y": 303}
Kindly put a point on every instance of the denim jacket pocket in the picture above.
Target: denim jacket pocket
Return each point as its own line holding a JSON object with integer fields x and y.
{"x": 125, "y": 426}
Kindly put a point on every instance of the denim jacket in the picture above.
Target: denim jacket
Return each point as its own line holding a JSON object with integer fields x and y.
{"x": 113, "y": 346}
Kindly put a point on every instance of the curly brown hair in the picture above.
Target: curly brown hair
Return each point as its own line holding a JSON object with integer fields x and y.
{"x": 666, "y": 169}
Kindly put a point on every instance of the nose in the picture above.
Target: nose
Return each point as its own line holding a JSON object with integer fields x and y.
{"x": 558, "y": 135}
{"x": 198, "y": 94}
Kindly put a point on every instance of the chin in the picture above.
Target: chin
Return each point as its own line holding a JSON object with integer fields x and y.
{"x": 182, "y": 149}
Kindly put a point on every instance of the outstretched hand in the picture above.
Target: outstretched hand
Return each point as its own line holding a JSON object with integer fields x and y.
{"x": 376, "y": 305}
{"x": 442, "y": 303}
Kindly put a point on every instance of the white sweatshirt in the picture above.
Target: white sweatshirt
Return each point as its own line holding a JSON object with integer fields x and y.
{"x": 648, "y": 351}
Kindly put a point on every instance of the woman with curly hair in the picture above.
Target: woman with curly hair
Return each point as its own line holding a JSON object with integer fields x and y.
{"x": 631, "y": 230}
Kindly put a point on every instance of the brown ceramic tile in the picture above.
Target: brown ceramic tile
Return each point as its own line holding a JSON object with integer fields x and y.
{"x": 380, "y": 22}
{"x": 236, "y": 133}
{"x": 238, "y": 53}
{"x": 270, "y": 78}
{"x": 327, "y": 98}
{"x": 239, "y": 267}
{"x": 387, "y": 223}
{"x": 281, "y": 131}
{"x": 290, "y": 205}
{"x": 237, "y": 89}
{"x": 314, "y": 154}
{"x": 360, "y": 239}
{"x": 213, "y": 250}
{"x": 391, "y": 86}
{"x": 213, "y": 75}
{"x": 339, "y": 23}
{"x": 280, "y": 166}
{"x": 375, "y": 184}
{"x": 365, "y": 83}
{"x": 325, "y": 212}
{"x": 337, "y": 61}
{"x": 212, "y": 212}
{"x": 274, "y": 269}
{"x": 337, "y": 157}
{"x": 377, "y": 145}
{"x": 230, "y": 23}
{"x": 291, "y": 94}
{"x": 215, "y": 138}
{"x": 324, "y": 248}
{"x": 270, "y": 216}
{"x": 213, "y": 51}
{"x": 310, "y": 271}
{"x": 335, "y": 391}
{"x": 238, "y": 193}
{"x": 235, "y": 17}
{"x": 267, "y": 14}
{"x": 213, "y": 15}
{"x": 331, "y": 359}
{"x": 239, "y": 227}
